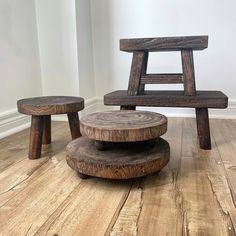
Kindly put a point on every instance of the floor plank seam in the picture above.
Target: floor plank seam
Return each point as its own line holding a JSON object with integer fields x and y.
{"x": 226, "y": 174}
{"x": 180, "y": 207}
{"x": 33, "y": 180}
{"x": 117, "y": 213}
{"x": 225, "y": 212}
{"x": 63, "y": 205}
{"x": 141, "y": 204}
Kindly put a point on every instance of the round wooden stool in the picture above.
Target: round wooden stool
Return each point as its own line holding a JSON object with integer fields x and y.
{"x": 41, "y": 109}
{"x": 119, "y": 145}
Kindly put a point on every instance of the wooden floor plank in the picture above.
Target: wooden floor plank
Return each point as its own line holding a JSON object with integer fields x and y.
{"x": 203, "y": 213}
{"x": 151, "y": 205}
{"x": 193, "y": 195}
{"x": 29, "y": 209}
{"x": 88, "y": 210}
{"x": 14, "y": 178}
{"x": 15, "y": 149}
{"x": 225, "y": 138}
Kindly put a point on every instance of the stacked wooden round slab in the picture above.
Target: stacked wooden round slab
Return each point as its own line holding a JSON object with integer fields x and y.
{"x": 119, "y": 145}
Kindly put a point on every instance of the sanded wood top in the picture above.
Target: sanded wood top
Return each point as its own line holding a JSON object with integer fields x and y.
{"x": 164, "y": 43}
{"x": 122, "y": 161}
{"x": 123, "y": 126}
{"x": 50, "y": 105}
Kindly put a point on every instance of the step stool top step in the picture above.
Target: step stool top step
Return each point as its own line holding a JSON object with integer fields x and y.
{"x": 123, "y": 126}
{"x": 164, "y": 43}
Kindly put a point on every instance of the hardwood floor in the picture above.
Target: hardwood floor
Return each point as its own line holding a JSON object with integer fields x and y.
{"x": 194, "y": 195}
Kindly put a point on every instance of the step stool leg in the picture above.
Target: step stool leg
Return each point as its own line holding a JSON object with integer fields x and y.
{"x": 73, "y": 119}
{"x": 47, "y": 129}
{"x": 82, "y": 176}
{"x": 203, "y": 128}
{"x": 36, "y": 132}
{"x": 128, "y": 107}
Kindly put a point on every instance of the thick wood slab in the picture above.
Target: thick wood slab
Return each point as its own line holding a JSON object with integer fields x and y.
{"x": 209, "y": 99}
{"x": 122, "y": 161}
{"x": 50, "y": 105}
{"x": 123, "y": 126}
{"x": 164, "y": 43}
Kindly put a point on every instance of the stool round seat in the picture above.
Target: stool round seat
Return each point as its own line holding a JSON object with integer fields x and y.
{"x": 50, "y": 105}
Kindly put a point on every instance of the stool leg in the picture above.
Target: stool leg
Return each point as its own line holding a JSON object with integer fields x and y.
{"x": 73, "y": 119}
{"x": 47, "y": 129}
{"x": 203, "y": 128}
{"x": 36, "y": 133}
{"x": 127, "y": 107}
{"x": 82, "y": 176}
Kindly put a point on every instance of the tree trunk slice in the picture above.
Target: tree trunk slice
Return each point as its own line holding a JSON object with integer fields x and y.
{"x": 122, "y": 161}
{"x": 123, "y": 126}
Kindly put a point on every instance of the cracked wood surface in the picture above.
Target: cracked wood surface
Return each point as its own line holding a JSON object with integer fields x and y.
{"x": 193, "y": 195}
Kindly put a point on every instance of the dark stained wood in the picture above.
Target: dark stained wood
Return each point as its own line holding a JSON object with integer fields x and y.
{"x": 41, "y": 109}
{"x": 128, "y": 107}
{"x": 203, "y": 128}
{"x": 123, "y": 161}
{"x": 74, "y": 124}
{"x": 47, "y": 137}
{"x": 164, "y": 43}
{"x": 36, "y": 132}
{"x": 188, "y": 72}
{"x": 101, "y": 145}
{"x": 187, "y": 98}
{"x": 136, "y": 72}
{"x": 144, "y": 70}
{"x": 123, "y": 126}
{"x": 168, "y": 98}
{"x": 82, "y": 176}
{"x": 50, "y": 105}
{"x": 162, "y": 79}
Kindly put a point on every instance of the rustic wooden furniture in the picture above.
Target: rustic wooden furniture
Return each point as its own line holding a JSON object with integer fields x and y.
{"x": 132, "y": 143}
{"x": 41, "y": 109}
{"x": 189, "y": 97}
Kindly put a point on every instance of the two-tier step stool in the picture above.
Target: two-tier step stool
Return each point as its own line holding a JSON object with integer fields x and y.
{"x": 119, "y": 145}
{"x": 189, "y": 97}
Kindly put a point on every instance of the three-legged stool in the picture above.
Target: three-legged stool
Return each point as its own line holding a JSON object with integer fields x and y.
{"x": 41, "y": 109}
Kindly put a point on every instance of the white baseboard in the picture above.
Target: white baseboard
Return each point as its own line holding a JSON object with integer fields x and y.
{"x": 12, "y": 122}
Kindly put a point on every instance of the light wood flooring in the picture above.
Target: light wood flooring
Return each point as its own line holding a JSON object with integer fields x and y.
{"x": 194, "y": 195}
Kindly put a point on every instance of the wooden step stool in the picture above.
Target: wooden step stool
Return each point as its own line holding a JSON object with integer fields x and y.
{"x": 189, "y": 97}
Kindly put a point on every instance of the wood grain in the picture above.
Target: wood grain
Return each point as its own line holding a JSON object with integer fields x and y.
{"x": 188, "y": 72}
{"x": 121, "y": 161}
{"x": 139, "y": 59}
{"x": 74, "y": 124}
{"x": 162, "y": 79}
{"x": 47, "y": 134}
{"x": 36, "y": 134}
{"x": 164, "y": 43}
{"x": 123, "y": 126}
{"x": 167, "y": 98}
{"x": 203, "y": 128}
{"x": 193, "y": 195}
{"x": 50, "y": 105}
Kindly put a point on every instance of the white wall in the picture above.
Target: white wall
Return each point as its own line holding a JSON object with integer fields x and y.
{"x": 214, "y": 67}
{"x": 56, "y": 23}
{"x": 19, "y": 61}
{"x": 85, "y": 49}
